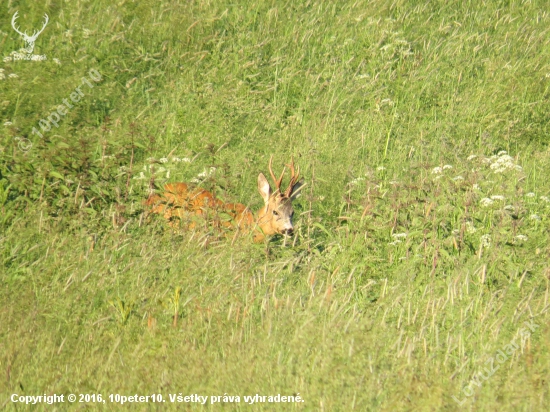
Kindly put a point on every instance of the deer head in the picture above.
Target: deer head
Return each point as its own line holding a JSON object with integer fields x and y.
{"x": 276, "y": 215}
{"x": 29, "y": 40}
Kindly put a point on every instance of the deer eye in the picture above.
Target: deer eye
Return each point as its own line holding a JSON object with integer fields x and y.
{"x": 275, "y": 213}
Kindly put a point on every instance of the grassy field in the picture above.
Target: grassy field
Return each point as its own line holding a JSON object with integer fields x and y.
{"x": 418, "y": 276}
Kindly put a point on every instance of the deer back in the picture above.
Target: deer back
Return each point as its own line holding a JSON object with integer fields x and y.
{"x": 184, "y": 206}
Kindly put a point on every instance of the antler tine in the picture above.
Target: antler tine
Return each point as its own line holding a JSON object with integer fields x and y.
{"x": 294, "y": 175}
{"x": 271, "y": 170}
{"x": 15, "y": 16}
{"x": 277, "y": 181}
{"x": 37, "y": 32}
{"x": 47, "y": 19}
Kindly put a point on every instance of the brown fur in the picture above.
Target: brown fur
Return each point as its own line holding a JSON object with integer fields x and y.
{"x": 184, "y": 206}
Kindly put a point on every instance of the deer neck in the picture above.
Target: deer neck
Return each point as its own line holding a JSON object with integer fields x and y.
{"x": 263, "y": 224}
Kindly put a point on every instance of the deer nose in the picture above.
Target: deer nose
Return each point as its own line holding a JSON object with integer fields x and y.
{"x": 288, "y": 231}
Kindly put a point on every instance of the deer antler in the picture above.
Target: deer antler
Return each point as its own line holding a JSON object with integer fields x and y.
{"x": 37, "y": 33}
{"x": 24, "y": 34}
{"x": 294, "y": 176}
{"x": 13, "y": 24}
{"x": 277, "y": 181}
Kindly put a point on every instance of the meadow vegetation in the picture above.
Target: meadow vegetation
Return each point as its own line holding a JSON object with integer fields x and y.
{"x": 421, "y": 242}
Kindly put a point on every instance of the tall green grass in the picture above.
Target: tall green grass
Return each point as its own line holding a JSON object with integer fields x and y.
{"x": 422, "y": 240}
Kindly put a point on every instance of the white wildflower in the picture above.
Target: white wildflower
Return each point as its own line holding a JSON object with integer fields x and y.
{"x": 486, "y": 202}
{"x": 502, "y": 162}
{"x": 57, "y": 61}
{"x": 207, "y": 173}
{"x": 163, "y": 160}
{"x": 522, "y": 238}
{"x": 545, "y": 199}
{"x": 13, "y": 76}
{"x": 534, "y": 217}
{"x": 457, "y": 178}
{"x": 471, "y": 157}
{"x": 176, "y": 159}
{"x": 447, "y": 167}
{"x": 502, "y": 153}
{"x": 151, "y": 159}
{"x": 380, "y": 168}
{"x": 497, "y": 197}
{"x": 475, "y": 186}
{"x": 140, "y": 177}
{"x": 485, "y": 241}
{"x": 399, "y": 235}
{"x": 8, "y": 123}
{"x": 394, "y": 182}
{"x": 470, "y": 227}
{"x": 394, "y": 243}
{"x": 168, "y": 174}
{"x": 437, "y": 170}
{"x": 186, "y": 160}
{"x": 530, "y": 194}
{"x": 509, "y": 208}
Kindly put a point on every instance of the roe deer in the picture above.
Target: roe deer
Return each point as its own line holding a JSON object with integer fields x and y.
{"x": 180, "y": 204}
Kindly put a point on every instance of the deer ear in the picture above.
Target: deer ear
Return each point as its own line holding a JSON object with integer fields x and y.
{"x": 264, "y": 188}
{"x": 296, "y": 189}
